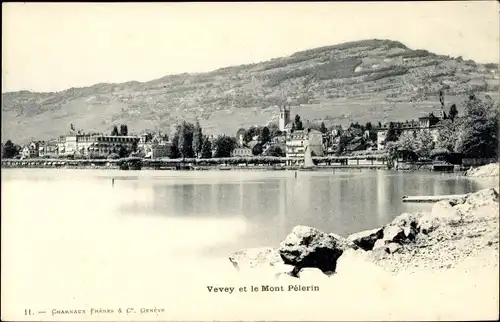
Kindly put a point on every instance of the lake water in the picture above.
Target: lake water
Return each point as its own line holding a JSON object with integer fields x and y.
{"x": 259, "y": 208}
{"x": 74, "y": 233}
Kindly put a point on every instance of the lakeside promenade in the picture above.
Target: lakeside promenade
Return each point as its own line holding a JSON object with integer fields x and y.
{"x": 254, "y": 163}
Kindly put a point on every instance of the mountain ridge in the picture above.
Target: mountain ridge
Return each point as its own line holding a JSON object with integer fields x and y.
{"x": 383, "y": 77}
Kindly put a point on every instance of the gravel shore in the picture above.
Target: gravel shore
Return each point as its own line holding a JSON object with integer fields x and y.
{"x": 446, "y": 247}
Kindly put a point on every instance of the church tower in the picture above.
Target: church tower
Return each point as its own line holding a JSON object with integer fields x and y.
{"x": 284, "y": 117}
{"x": 440, "y": 111}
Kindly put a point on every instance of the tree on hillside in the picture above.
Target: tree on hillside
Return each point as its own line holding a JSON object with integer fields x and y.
{"x": 257, "y": 149}
{"x": 197, "y": 139}
{"x": 420, "y": 143}
{"x": 275, "y": 151}
{"x": 424, "y": 144}
{"x": 241, "y": 132}
{"x": 343, "y": 140}
{"x": 322, "y": 128}
{"x": 391, "y": 148}
{"x": 477, "y": 136}
{"x": 406, "y": 142}
{"x": 224, "y": 145}
{"x": 124, "y": 130}
{"x": 206, "y": 151}
{"x": 134, "y": 146}
{"x": 123, "y": 152}
{"x": 186, "y": 131}
{"x": 368, "y": 126}
{"x": 298, "y": 123}
{"x": 392, "y": 133}
{"x": 453, "y": 112}
{"x": 114, "y": 132}
{"x": 174, "y": 152}
{"x": 9, "y": 150}
{"x": 251, "y": 133}
{"x": 274, "y": 130}
{"x": 265, "y": 135}
{"x": 182, "y": 140}
{"x": 149, "y": 137}
{"x": 447, "y": 137}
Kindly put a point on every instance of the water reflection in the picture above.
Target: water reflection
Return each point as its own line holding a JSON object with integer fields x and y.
{"x": 343, "y": 203}
{"x": 270, "y": 203}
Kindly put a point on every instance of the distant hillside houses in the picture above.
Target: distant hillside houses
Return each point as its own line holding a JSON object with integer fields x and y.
{"x": 30, "y": 150}
{"x": 82, "y": 145}
{"x": 426, "y": 123}
{"x": 78, "y": 144}
{"x": 154, "y": 145}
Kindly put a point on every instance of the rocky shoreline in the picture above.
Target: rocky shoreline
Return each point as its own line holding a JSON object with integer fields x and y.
{"x": 452, "y": 233}
{"x": 487, "y": 171}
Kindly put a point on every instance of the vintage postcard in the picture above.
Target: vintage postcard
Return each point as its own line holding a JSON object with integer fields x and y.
{"x": 250, "y": 161}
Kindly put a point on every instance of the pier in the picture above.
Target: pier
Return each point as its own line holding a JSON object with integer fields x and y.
{"x": 431, "y": 198}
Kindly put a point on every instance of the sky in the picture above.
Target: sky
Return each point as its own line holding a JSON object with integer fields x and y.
{"x": 51, "y": 46}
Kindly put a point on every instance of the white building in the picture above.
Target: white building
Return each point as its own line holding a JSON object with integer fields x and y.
{"x": 298, "y": 140}
{"x": 48, "y": 150}
{"x": 95, "y": 144}
{"x": 30, "y": 150}
{"x": 106, "y": 144}
{"x": 242, "y": 152}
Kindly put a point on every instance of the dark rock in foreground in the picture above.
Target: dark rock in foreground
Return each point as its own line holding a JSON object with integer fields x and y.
{"x": 307, "y": 251}
{"x": 309, "y": 247}
{"x": 366, "y": 239}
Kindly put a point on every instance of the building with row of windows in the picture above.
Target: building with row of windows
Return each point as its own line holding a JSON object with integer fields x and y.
{"x": 297, "y": 141}
{"x": 427, "y": 123}
{"x": 96, "y": 144}
{"x": 80, "y": 145}
{"x": 242, "y": 151}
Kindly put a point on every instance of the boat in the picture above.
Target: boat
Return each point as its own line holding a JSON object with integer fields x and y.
{"x": 308, "y": 162}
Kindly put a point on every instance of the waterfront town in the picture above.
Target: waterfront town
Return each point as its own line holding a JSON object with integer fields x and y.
{"x": 440, "y": 136}
{"x": 120, "y": 119}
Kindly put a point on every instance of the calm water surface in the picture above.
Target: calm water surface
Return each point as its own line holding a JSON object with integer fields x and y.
{"x": 158, "y": 238}
{"x": 242, "y": 208}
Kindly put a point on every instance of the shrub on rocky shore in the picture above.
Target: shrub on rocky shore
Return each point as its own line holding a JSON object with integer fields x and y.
{"x": 308, "y": 251}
